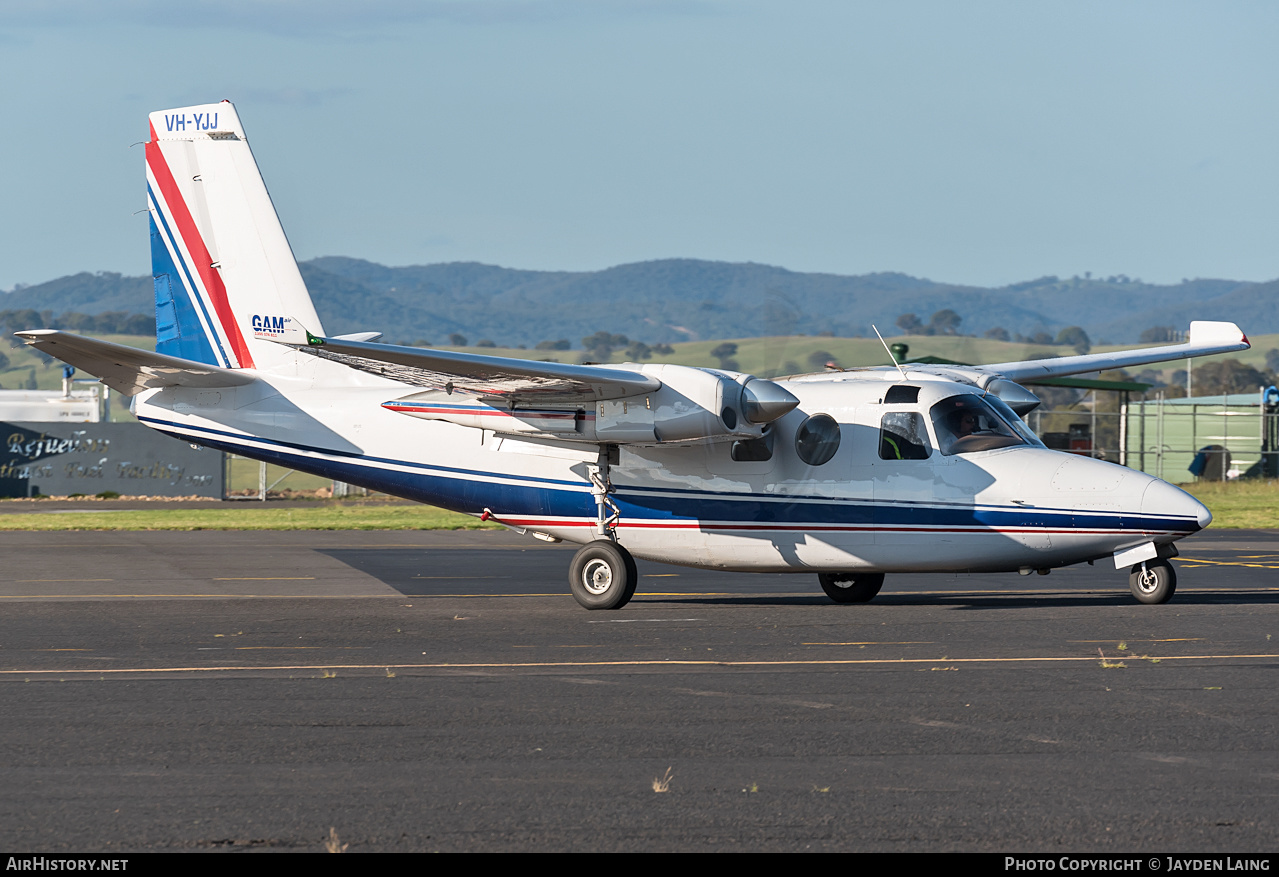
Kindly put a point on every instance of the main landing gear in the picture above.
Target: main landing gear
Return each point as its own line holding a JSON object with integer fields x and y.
{"x": 603, "y": 574}
{"x": 844, "y": 587}
{"x": 1153, "y": 581}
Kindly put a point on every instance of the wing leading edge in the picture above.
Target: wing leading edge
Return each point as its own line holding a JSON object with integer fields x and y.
{"x": 491, "y": 378}
{"x": 1206, "y": 338}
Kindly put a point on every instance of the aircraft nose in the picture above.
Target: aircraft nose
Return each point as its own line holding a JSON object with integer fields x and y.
{"x": 1163, "y": 500}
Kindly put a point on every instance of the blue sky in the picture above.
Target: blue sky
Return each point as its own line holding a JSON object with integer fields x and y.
{"x": 982, "y": 142}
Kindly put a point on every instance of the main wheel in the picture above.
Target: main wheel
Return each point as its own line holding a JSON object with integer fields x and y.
{"x": 845, "y": 587}
{"x": 603, "y": 575}
{"x": 1154, "y": 581}
{"x": 632, "y": 574}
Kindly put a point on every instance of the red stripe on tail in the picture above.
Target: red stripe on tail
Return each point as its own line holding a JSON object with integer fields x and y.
{"x": 199, "y": 252}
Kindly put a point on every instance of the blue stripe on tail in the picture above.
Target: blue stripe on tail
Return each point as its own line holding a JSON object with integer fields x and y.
{"x": 178, "y": 331}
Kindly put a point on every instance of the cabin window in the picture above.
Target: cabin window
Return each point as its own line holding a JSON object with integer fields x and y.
{"x": 817, "y": 439}
{"x": 967, "y": 423}
{"x": 758, "y": 450}
{"x": 903, "y": 436}
{"x": 901, "y": 394}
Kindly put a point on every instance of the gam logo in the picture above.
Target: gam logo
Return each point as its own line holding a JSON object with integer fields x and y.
{"x": 265, "y": 326}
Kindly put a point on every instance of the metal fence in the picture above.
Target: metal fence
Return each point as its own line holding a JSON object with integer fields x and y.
{"x": 1176, "y": 439}
{"x": 253, "y": 480}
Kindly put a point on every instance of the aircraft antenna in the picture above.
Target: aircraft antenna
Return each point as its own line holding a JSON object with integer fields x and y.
{"x": 891, "y": 358}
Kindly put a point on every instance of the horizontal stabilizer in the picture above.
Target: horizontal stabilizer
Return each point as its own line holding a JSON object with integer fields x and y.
{"x": 1206, "y": 338}
{"x": 488, "y": 377}
{"x": 129, "y": 370}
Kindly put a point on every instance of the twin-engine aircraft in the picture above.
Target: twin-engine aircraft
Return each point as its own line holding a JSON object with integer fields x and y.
{"x": 849, "y": 475}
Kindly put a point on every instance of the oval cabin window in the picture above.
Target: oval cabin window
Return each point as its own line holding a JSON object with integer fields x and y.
{"x": 817, "y": 439}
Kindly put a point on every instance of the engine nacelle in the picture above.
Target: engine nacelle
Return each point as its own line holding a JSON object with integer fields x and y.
{"x": 691, "y": 404}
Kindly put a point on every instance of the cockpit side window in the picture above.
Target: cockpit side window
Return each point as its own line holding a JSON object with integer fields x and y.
{"x": 902, "y": 436}
{"x": 966, "y": 424}
{"x": 1010, "y": 417}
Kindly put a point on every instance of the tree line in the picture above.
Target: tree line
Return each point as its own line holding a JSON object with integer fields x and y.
{"x": 107, "y": 323}
{"x": 947, "y": 322}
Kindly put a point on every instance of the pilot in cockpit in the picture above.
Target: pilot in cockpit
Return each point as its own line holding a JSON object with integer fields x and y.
{"x": 966, "y": 423}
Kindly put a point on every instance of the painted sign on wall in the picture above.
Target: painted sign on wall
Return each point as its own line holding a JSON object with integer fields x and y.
{"x": 54, "y": 459}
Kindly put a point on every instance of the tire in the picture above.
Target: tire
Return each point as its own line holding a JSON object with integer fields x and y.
{"x": 632, "y": 572}
{"x": 845, "y": 587}
{"x": 602, "y": 575}
{"x": 1154, "y": 581}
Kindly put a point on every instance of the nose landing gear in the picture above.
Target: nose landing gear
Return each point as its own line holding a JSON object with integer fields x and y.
{"x": 845, "y": 587}
{"x": 1153, "y": 581}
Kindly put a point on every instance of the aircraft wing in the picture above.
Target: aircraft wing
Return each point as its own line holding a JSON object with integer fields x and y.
{"x": 1206, "y": 338}
{"x": 489, "y": 377}
{"x": 129, "y": 370}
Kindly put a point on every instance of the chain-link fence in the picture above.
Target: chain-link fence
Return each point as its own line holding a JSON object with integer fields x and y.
{"x": 253, "y": 480}
{"x": 1214, "y": 438}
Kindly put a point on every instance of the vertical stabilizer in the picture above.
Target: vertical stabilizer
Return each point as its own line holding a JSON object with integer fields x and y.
{"x": 226, "y": 282}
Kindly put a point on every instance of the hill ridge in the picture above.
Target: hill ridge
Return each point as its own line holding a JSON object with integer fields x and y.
{"x": 682, "y": 299}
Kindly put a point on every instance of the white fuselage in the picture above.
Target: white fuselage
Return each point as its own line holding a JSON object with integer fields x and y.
{"x": 1022, "y": 507}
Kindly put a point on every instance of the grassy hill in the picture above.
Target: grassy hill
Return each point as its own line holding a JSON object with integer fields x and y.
{"x": 762, "y": 356}
{"x": 779, "y": 355}
{"x": 681, "y": 300}
{"x": 754, "y": 355}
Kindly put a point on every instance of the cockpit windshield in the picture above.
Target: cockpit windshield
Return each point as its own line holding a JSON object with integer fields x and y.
{"x": 968, "y": 423}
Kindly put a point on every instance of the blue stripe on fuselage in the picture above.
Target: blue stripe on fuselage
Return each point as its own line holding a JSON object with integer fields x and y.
{"x": 471, "y": 491}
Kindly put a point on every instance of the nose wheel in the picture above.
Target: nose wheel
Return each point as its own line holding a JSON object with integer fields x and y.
{"x": 1154, "y": 581}
{"x": 603, "y": 575}
{"x": 845, "y": 587}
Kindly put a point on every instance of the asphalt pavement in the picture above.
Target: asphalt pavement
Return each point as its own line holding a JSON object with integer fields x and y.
{"x": 418, "y": 691}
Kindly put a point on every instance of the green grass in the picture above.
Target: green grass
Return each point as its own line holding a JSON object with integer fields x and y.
{"x": 1246, "y": 505}
{"x": 775, "y": 354}
{"x": 251, "y": 516}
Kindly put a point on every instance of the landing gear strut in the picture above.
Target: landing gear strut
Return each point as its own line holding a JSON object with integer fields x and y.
{"x": 603, "y": 573}
{"x": 843, "y": 587}
{"x": 1153, "y": 581}
{"x": 606, "y": 511}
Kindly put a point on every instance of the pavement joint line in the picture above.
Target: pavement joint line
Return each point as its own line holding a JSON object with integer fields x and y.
{"x": 638, "y": 620}
{"x": 882, "y": 643}
{"x": 1179, "y": 639}
{"x": 1199, "y": 560}
{"x": 532, "y": 665}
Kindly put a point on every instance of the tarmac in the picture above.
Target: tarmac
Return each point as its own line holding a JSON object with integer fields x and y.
{"x": 428, "y": 690}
